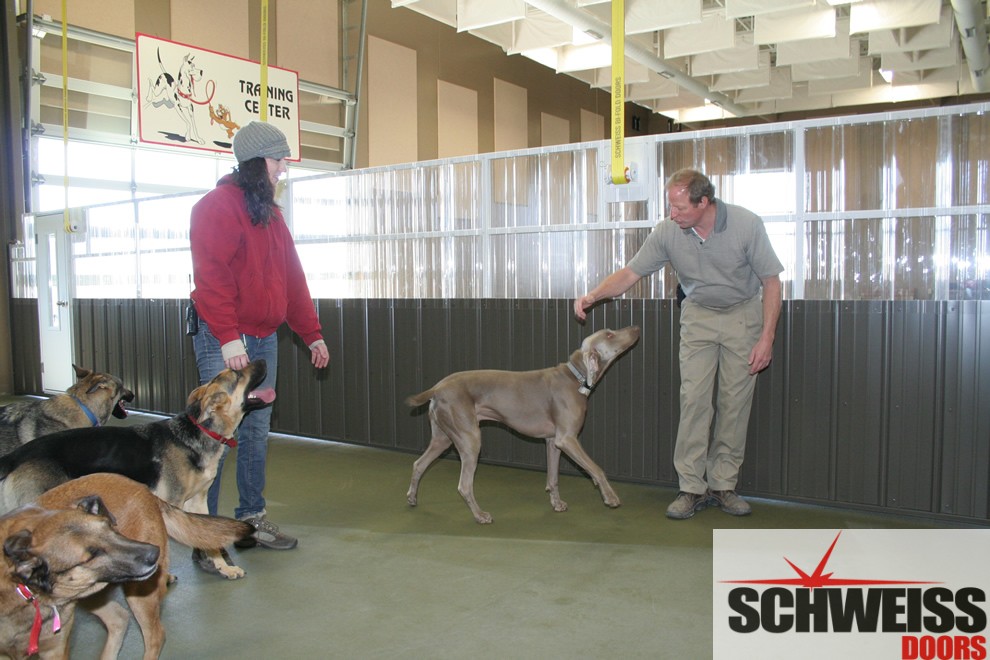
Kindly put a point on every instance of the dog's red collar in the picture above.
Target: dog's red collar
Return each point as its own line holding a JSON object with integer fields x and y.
{"x": 27, "y": 595}
{"x": 230, "y": 442}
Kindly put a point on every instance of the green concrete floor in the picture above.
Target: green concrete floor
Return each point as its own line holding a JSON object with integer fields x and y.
{"x": 375, "y": 578}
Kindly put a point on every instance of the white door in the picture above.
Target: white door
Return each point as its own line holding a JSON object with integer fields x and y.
{"x": 54, "y": 301}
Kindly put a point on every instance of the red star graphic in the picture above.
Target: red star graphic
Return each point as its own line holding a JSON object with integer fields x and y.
{"x": 821, "y": 579}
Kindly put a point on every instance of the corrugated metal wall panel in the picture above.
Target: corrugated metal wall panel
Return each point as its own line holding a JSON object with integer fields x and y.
{"x": 964, "y": 438}
{"x": 809, "y": 362}
{"x": 407, "y": 360}
{"x": 355, "y": 395}
{"x": 156, "y": 360}
{"x": 911, "y": 404}
{"x": 764, "y": 469}
{"x": 25, "y": 340}
{"x": 381, "y": 376}
{"x": 862, "y": 360}
{"x": 331, "y": 415}
{"x": 869, "y": 404}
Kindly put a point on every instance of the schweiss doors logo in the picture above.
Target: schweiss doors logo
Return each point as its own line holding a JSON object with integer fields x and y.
{"x": 857, "y": 593}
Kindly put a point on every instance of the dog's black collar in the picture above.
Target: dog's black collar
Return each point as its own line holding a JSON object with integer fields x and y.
{"x": 230, "y": 442}
{"x": 585, "y": 389}
{"x": 93, "y": 419}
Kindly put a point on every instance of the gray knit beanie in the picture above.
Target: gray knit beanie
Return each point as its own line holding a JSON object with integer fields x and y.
{"x": 259, "y": 139}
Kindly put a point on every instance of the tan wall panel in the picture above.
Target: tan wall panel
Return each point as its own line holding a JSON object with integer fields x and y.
{"x": 308, "y": 40}
{"x": 86, "y": 61}
{"x": 592, "y": 126}
{"x": 457, "y": 121}
{"x": 196, "y": 23}
{"x": 462, "y": 59}
{"x": 511, "y": 116}
{"x": 108, "y": 16}
{"x": 554, "y": 130}
{"x": 392, "y": 113}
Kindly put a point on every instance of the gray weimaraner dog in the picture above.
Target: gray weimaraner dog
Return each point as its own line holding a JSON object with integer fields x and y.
{"x": 547, "y": 403}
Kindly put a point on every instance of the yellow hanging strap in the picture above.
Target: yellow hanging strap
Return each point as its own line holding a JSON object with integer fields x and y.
{"x": 264, "y": 60}
{"x": 618, "y": 91}
{"x": 65, "y": 116}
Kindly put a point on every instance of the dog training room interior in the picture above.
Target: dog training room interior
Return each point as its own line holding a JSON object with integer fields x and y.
{"x": 626, "y": 302}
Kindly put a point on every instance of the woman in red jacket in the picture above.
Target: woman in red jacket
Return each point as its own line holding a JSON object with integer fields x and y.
{"x": 248, "y": 281}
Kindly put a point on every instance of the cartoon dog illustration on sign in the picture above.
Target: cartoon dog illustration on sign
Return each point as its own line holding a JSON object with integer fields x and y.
{"x": 179, "y": 93}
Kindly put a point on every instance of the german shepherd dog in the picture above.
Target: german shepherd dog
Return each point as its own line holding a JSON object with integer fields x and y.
{"x": 176, "y": 458}
{"x": 52, "y": 559}
{"x": 90, "y": 401}
{"x": 142, "y": 517}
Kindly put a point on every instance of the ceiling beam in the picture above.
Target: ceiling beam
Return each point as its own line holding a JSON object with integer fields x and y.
{"x": 564, "y": 11}
{"x": 973, "y": 34}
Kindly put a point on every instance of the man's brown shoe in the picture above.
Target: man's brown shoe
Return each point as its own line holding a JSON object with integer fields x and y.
{"x": 686, "y": 505}
{"x": 728, "y": 501}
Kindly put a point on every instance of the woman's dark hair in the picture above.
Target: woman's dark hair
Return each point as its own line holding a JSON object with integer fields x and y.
{"x": 251, "y": 176}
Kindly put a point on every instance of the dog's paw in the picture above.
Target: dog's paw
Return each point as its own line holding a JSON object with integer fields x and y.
{"x": 171, "y": 579}
{"x": 483, "y": 518}
{"x": 231, "y": 572}
{"x": 613, "y": 503}
{"x": 558, "y": 504}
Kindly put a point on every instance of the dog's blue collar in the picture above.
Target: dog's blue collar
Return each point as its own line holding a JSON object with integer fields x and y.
{"x": 584, "y": 389}
{"x": 93, "y": 419}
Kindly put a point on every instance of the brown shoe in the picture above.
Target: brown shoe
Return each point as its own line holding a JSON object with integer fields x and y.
{"x": 728, "y": 501}
{"x": 686, "y": 505}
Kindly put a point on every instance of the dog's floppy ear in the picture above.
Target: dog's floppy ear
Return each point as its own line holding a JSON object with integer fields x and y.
{"x": 592, "y": 366}
{"x": 100, "y": 384}
{"x": 195, "y": 396}
{"x": 93, "y": 505}
{"x": 207, "y": 408}
{"x": 29, "y": 568}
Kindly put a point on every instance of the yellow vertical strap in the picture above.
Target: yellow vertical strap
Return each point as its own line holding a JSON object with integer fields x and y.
{"x": 618, "y": 91}
{"x": 65, "y": 114}
{"x": 264, "y": 60}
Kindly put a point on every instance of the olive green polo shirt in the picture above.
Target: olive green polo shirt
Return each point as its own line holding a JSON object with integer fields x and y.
{"x": 721, "y": 271}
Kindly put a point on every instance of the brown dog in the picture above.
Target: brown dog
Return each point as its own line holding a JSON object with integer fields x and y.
{"x": 90, "y": 401}
{"x": 143, "y": 517}
{"x": 176, "y": 458}
{"x": 51, "y": 559}
{"x": 547, "y": 403}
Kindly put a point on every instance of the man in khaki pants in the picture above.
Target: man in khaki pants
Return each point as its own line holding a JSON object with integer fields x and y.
{"x": 723, "y": 258}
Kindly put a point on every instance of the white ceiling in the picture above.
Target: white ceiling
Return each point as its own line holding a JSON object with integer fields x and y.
{"x": 699, "y": 60}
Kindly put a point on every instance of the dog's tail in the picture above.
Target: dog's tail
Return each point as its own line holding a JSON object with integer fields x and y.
{"x": 198, "y": 530}
{"x": 417, "y": 400}
{"x": 160, "y": 63}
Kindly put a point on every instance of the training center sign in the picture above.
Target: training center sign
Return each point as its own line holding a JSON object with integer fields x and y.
{"x": 909, "y": 594}
{"x": 198, "y": 99}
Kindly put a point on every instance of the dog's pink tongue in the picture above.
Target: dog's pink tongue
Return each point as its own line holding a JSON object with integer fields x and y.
{"x": 266, "y": 394}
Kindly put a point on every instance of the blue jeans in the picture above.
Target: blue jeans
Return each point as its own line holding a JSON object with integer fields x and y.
{"x": 252, "y": 435}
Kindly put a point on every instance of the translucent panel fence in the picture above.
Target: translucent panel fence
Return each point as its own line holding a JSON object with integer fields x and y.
{"x": 891, "y": 206}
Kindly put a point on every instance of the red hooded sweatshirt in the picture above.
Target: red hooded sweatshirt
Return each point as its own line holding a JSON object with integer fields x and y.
{"x": 248, "y": 279}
